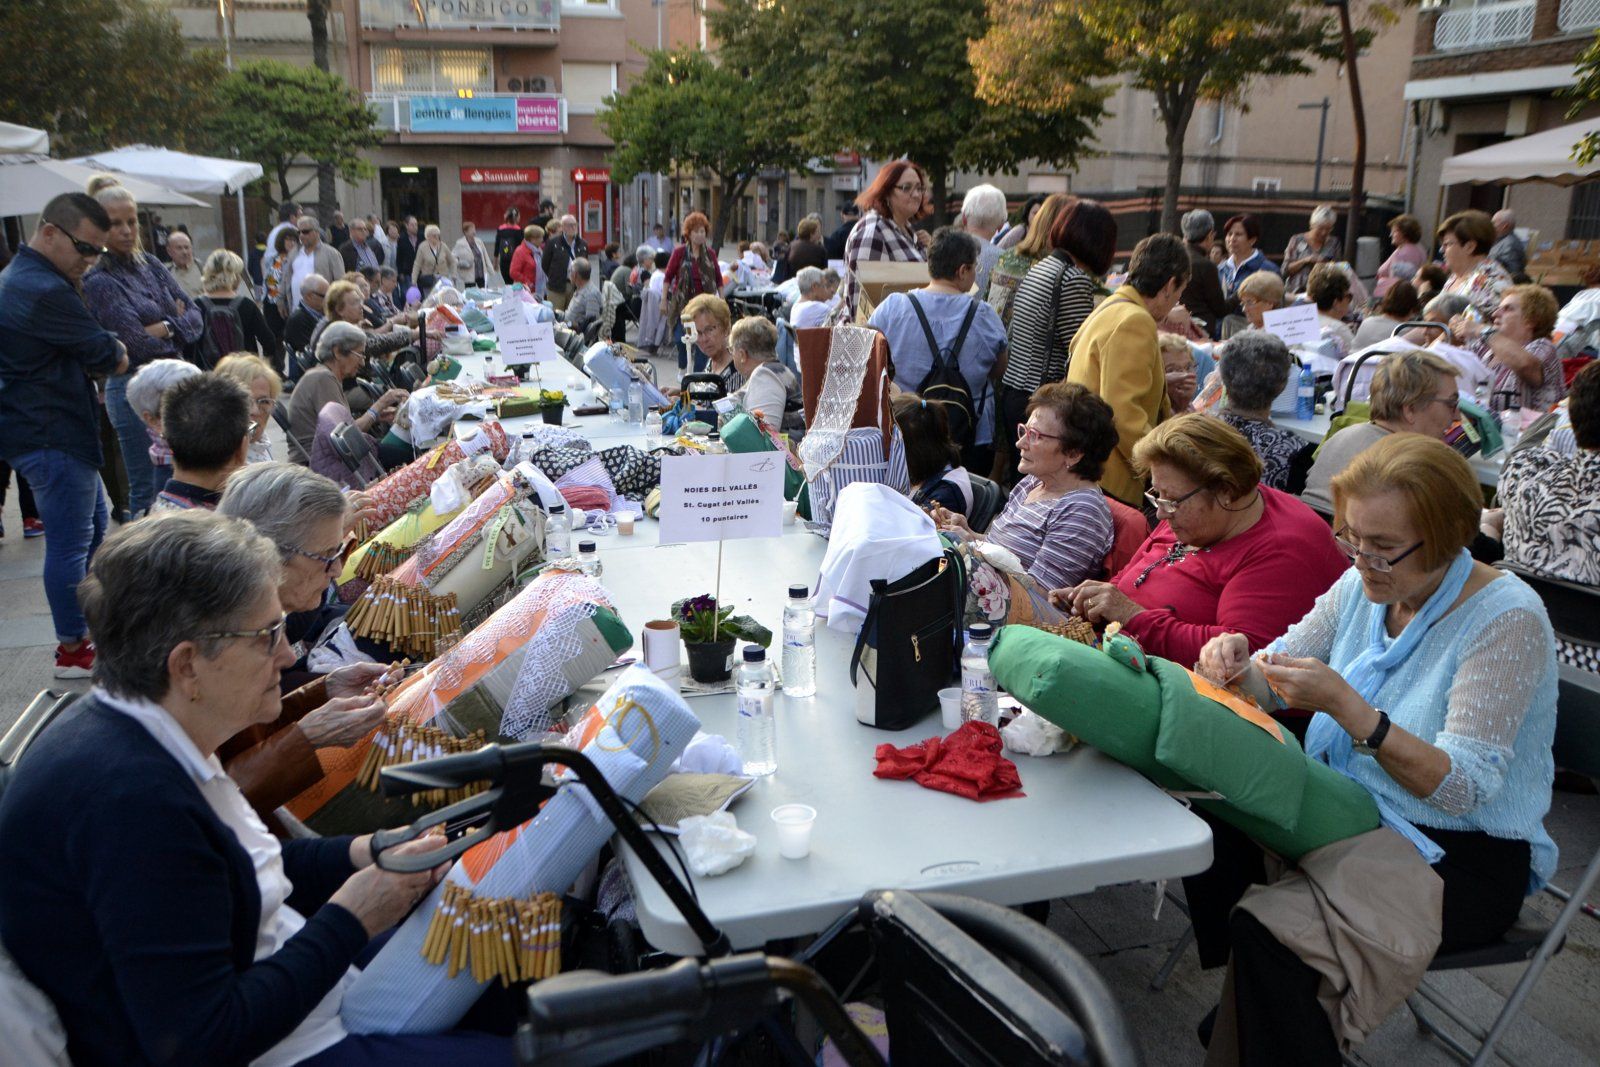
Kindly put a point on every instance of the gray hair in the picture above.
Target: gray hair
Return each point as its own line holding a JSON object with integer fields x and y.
{"x": 984, "y": 206}
{"x": 431, "y": 232}
{"x": 173, "y": 577}
{"x": 1254, "y": 366}
{"x": 337, "y": 335}
{"x": 1447, "y": 306}
{"x": 808, "y": 279}
{"x": 1504, "y": 215}
{"x": 151, "y": 382}
{"x": 281, "y": 500}
{"x": 1323, "y": 215}
{"x": 831, "y": 276}
{"x": 1196, "y": 224}
{"x": 645, "y": 254}
{"x": 316, "y": 224}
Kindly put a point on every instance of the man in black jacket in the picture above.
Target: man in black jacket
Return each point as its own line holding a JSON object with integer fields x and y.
{"x": 405, "y": 251}
{"x": 834, "y": 242}
{"x": 559, "y": 253}
{"x": 302, "y": 322}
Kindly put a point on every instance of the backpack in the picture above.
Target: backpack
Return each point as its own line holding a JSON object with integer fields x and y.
{"x": 945, "y": 383}
{"x": 224, "y": 331}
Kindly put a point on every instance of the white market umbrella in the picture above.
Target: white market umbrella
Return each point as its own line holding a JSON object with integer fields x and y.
{"x": 1539, "y": 157}
{"x": 209, "y": 175}
{"x": 28, "y": 183}
{"x": 14, "y": 138}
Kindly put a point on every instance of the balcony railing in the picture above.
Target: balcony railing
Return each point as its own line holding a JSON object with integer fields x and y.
{"x": 504, "y": 113}
{"x": 461, "y": 14}
{"x": 1578, "y": 15}
{"x": 1484, "y": 26}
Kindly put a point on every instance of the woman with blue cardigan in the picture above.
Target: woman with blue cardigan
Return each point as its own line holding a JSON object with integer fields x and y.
{"x": 1434, "y": 682}
{"x": 141, "y": 893}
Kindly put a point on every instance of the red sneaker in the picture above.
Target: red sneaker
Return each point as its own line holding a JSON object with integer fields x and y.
{"x": 32, "y": 528}
{"x": 79, "y": 663}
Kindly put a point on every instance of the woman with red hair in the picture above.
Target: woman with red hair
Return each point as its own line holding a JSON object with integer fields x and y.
{"x": 897, "y": 196}
{"x": 692, "y": 270}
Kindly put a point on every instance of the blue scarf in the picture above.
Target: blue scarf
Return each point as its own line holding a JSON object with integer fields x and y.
{"x": 1326, "y": 739}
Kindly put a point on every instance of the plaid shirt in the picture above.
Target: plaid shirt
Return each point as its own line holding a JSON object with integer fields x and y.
{"x": 874, "y": 237}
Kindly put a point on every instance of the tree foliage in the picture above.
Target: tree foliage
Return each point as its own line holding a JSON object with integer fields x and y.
{"x": 1041, "y": 52}
{"x": 687, "y": 111}
{"x": 278, "y": 114}
{"x": 891, "y": 78}
{"x": 1584, "y": 92}
{"x": 103, "y": 73}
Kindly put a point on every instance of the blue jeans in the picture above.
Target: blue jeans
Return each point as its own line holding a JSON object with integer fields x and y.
{"x": 73, "y": 507}
{"x": 135, "y": 444}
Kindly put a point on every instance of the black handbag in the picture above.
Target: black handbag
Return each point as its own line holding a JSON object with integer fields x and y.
{"x": 908, "y": 646}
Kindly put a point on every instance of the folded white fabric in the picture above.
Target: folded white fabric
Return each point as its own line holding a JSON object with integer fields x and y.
{"x": 877, "y": 533}
{"x": 1033, "y": 735}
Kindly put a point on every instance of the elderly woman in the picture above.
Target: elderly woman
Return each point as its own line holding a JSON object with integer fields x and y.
{"x": 341, "y": 352}
{"x": 145, "y": 390}
{"x": 222, "y": 278}
{"x": 1412, "y": 392}
{"x": 1408, "y": 257}
{"x": 1240, "y": 235}
{"x": 1255, "y": 369}
{"x": 1527, "y": 370}
{"x": 136, "y": 298}
{"x": 1464, "y": 242}
{"x": 265, "y": 387}
{"x": 434, "y": 261}
{"x": 983, "y": 212}
{"x": 713, "y": 323}
{"x": 1056, "y": 521}
{"x": 770, "y": 390}
{"x": 1399, "y": 304}
{"x": 1306, "y": 250}
{"x": 1258, "y": 294}
{"x": 1178, "y": 369}
{"x": 692, "y": 271}
{"x": 932, "y": 460}
{"x": 345, "y": 303}
{"x": 1434, "y": 682}
{"x": 525, "y": 268}
{"x": 816, "y": 301}
{"x": 1018, "y": 257}
{"x": 473, "y": 256}
{"x": 142, "y": 894}
{"x": 1329, "y": 289}
{"x": 1229, "y": 555}
{"x": 897, "y": 197}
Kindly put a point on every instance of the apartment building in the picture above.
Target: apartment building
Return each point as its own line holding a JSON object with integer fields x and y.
{"x": 1482, "y": 73}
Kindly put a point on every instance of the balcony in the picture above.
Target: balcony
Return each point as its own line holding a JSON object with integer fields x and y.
{"x": 1578, "y": 16}
{"x": 1486, "y": 25}
{"x": 524, "y": 114}
{"x": 461, "y": 14}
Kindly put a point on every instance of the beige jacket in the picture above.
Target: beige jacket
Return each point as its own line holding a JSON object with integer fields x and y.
{"x": 1366, "y": 914}
{"x": 439, "y": 263}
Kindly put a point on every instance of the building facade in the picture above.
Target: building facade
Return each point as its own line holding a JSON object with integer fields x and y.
{"x": 1490, "y": 72}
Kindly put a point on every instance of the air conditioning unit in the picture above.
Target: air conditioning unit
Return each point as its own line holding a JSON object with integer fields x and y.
{"x": 514, "y": 84}
{"x": 1266, "y": 185}
{"x": 537, "y": 85}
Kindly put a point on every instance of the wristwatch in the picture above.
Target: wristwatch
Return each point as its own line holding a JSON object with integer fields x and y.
{"x": 1370, "y": 746}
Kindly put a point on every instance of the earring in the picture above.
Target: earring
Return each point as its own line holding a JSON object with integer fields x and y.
{"x": 194, "y": 696}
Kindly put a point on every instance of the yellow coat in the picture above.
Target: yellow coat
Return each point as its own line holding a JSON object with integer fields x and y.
{"x": 1116, "y": 357}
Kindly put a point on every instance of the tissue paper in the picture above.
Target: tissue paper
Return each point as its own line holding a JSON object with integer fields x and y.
{"x": 714, "y": 843}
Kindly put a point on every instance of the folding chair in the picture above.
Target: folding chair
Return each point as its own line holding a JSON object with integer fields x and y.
{"x": 40, "y": 713}
{"x": 354, "y": 449}
{"x": 987, "y": 500}
{"x": 280, "y": 415}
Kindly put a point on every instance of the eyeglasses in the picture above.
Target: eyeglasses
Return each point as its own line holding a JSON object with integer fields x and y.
{"x": 273, "y": 634}
{"x": 912, "y": 190}
{"x": 1381, "y": 564}
{"x": 84, "y": 248}
{"x": 328, "y": 562}
{"x": 312, "y": 292}
{"x": 1162, "y": 504}
{"x": 1027, "y": 435}
{"x": 265, "y": 403}
{"x": 1453, "y": 401}
{"x": 307, "y": 230}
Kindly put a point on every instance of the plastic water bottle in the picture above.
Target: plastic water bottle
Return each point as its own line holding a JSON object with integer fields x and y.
{"x": 635, "y": 403}
{"x": 589, "y": 559}
{"x": 652, "y": 426}
{"x": 557, "y": 532}
{"x": 758, "y": 733}
{"x": 617, "y": 402}
{"x": 1510, "y": 428}
{"x": 979, "y": 698}
{"x": 1305, "y": 401}
{"x": 799, "y": 644}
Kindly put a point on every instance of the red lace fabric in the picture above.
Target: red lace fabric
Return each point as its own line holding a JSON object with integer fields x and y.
{"x": 967, "y": 763}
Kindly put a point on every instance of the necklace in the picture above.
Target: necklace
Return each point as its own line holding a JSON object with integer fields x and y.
{"x": 1176, "y": 554}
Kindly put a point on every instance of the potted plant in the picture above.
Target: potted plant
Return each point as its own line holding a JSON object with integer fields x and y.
{"x": 710, "y": 632}
{"x": 551, "y": 402}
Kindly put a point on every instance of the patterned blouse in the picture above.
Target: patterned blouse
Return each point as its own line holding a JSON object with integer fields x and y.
{"x": 874, "y": 237}
{"x": 1278, "y": 449}
{"x": 1509, "y": 390}
{"x": 1552, "y": 521}
{"x": 1299, "y": 248}
{"x": 1062, "y": 541}
{"x": 1483, "y": 288}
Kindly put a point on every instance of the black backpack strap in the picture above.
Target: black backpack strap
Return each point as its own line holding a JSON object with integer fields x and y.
{"x": 961, "y": 337}
{"x": 927, "y": 330}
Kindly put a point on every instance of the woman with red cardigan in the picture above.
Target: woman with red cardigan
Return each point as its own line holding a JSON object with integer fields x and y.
{"x": 1229, "y": 556}
{"x": 692, "y": 270}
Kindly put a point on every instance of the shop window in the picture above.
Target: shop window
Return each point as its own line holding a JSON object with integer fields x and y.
{"x": 431, "y": 70}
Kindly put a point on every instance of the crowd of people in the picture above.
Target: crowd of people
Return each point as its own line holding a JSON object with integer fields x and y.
{"x": 1125, "y": 412}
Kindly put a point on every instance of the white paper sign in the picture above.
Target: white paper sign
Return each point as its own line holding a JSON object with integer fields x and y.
{"x": 721, "y": 498}
{"x": 522, "y": 341}
{"x": 1295, "y": 325}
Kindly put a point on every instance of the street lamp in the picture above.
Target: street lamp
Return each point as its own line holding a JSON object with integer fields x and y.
{"x": 1358, "y": 167}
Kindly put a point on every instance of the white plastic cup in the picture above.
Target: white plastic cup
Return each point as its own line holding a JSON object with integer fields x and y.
{"x": 790, "y": 509}
{"x": 625, "y": 524}
{"x": 662, "y": 646}
{"x": 794, "y": 822}
{"x": 950, "y": 707}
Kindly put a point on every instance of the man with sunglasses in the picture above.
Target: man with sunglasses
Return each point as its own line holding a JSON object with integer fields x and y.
{"x": 51, "y": 350}
{"x": 1412, "y": 392}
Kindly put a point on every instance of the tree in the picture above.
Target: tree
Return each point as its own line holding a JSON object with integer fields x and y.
{"x": 1584, "y": 92}
{"x": 687, "y": 111}
{"x": 317, "y": 13}
{"x": 103, "y": 73}
{"x": 276, "y": 114}
{"x": 892, "y": 78}
{"x": 1180, "y": 51}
